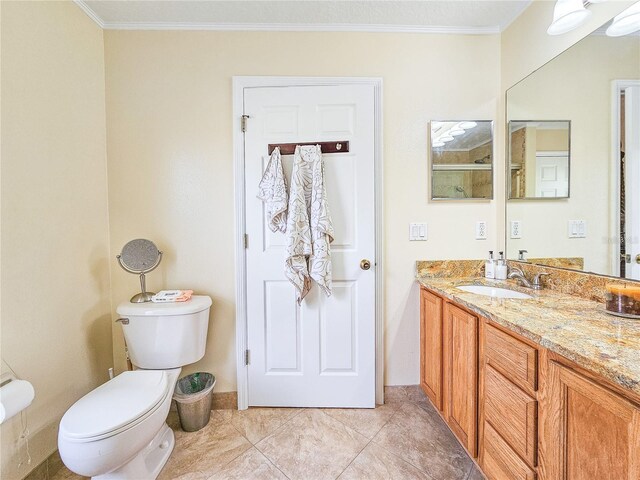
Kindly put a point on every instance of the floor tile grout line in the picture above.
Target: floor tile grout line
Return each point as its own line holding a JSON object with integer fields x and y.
{"x": 352, "y": 428}
{"x": 272, "y": 463}
{"x": 278, "y": 427}
{"x": 236, "y": 457}
{"x": 354, "y": 458}
{"x": 420, "y": 469}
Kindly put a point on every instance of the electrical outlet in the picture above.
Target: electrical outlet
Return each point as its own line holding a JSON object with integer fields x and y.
{"x": 481, "y": 230}
{"x": 418, "y": 232}
{"x": 516, "y": 229}
{"x": 577, "y": 229}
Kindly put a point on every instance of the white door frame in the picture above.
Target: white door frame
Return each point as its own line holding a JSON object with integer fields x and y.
{"x": 239, "y": 84}
{"x": 614, "y": 215}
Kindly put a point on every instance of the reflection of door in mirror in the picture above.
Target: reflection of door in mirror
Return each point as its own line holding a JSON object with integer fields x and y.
{"x": 552, "y": 174}
{"x": 630, "y": 182}
{"x": 539, "y": 159}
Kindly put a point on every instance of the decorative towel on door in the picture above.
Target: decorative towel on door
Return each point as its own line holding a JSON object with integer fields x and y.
{"x": 309, "y": 226}
{"x": 273, "y": 192}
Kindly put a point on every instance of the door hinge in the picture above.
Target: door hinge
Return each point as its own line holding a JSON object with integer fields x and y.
{"x": 243, "y": 123}
{"x": 246, "y": 241}
{"x": 247, "y": 357}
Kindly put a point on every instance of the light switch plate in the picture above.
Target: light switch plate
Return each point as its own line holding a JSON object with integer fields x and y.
{"x": 481, "y": 230}
{"x": 418, "y": 232}
{"x": 516, "y": 229}
{"x": 577, "y": 228}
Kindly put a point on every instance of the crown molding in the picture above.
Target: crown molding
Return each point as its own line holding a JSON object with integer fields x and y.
{"x": 285, "y": 27}
{"x": 90, "y": 13}
{"x": 303, "y": 27}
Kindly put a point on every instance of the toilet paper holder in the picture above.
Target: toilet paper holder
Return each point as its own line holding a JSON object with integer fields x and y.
{"x": 15, "y": 396}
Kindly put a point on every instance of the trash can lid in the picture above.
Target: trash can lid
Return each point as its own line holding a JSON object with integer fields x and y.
{"x": 114, "y": 404}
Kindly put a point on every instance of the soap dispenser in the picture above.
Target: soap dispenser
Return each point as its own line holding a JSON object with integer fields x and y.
{"x": 501, "y": 268}
{"x": 489, "y": 266}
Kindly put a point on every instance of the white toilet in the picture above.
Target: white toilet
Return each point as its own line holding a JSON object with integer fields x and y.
{"x": 119, "y": 430}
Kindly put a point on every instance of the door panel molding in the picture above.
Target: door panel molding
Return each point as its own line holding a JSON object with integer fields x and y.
{"x": 239, "y": 84}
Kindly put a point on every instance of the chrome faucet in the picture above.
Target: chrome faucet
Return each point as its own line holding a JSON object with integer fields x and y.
{"x": 522, "y": 279}
{"x": 519, "y": 275}
{"x": 537, "y": 284}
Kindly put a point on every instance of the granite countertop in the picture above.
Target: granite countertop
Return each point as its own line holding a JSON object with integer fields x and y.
{"x": 576, "y": 328}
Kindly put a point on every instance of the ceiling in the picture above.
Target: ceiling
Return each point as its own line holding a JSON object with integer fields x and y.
{"x": 421, "y": 16}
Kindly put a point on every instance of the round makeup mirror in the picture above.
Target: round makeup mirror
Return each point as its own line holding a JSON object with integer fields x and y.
{"x": 140, "y": 256}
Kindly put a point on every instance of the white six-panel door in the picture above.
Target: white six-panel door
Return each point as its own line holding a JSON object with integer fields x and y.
{"x": 321, "y": 353}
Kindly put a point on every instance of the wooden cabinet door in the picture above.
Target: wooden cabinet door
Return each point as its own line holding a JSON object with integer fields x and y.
{"x": 588, "y": 431}
{"x": 461, "y": 375}
{"x": 431, "y": 346}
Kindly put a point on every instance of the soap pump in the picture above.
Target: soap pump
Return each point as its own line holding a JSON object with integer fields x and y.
{"x": 489, "y": 266}
{"x": 501, "y": 268}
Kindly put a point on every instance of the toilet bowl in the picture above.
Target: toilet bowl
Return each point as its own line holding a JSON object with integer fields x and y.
{"x": 118, "y": 421}
{"x": 118, "y": 431}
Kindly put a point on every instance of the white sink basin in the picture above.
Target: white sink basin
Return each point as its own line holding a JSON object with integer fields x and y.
{"x": 493, "y": 291}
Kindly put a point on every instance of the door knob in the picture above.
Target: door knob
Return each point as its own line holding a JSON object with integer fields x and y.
{"x": 365, "y": 264}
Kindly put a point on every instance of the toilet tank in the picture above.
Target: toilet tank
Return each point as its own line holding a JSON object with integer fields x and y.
{"x": 165, "y": 335}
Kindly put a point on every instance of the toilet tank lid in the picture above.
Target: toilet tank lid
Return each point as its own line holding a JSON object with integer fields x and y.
{"x": 197, "y": 304}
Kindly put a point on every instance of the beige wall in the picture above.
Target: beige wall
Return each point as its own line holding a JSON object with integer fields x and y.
{"x": 169, "y": 124}
{"x": 56, "y": 329}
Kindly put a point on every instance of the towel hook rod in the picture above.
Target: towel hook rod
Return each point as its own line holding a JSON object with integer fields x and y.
{"x": 341, "y": 146}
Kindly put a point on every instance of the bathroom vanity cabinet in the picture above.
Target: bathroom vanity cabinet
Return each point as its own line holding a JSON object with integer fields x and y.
{"x": 460, "y": 374}
{"x": 431, "y": 346}
{"x": 588, "y": 428}
{"x": 449, "y": 364}
{"x": 524, "y": 412}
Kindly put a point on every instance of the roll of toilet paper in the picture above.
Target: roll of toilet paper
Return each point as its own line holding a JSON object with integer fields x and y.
{"x": 15, "y": 396}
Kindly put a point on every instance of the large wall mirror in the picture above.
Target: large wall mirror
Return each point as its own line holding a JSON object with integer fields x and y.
{"x": 461, "y": 160}
{"x": 591, "y": 92}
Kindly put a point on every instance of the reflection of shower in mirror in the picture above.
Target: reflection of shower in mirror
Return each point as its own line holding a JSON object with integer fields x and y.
{"x": 485, "y": 159}
{"x": 461, "y": 190}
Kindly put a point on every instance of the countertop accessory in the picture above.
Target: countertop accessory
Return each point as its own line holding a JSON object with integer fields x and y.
{"x": 490, "y": 266}
{"x": 622, "y": 315}
{"x": 501, "y": 268}
{"x": 623, "y": 300}
{"x": 140, "y": 256}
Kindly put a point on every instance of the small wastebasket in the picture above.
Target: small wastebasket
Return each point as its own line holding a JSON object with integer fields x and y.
{"x": 193, "y": 395}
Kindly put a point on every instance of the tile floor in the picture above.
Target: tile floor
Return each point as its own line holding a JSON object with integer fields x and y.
{"x": 403, "y": 439}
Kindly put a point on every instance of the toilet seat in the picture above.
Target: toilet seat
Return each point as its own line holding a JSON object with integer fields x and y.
{"x": 115, "y": 406}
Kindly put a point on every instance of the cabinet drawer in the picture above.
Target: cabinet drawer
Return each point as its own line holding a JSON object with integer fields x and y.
{"x": 500, "y": 462}
{"x": 512, "y": 413}
{"x": 514, "y": 359}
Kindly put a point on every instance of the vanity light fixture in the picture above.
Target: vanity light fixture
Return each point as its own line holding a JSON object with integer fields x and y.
{"x": 626, "y": 22}
{"x": 446, "y": 138}
{"x": 567, "y": 15}
{"x": 437, "y": 144}
{"x": 456, "y": 131}
{"x": 467, "y": 125}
